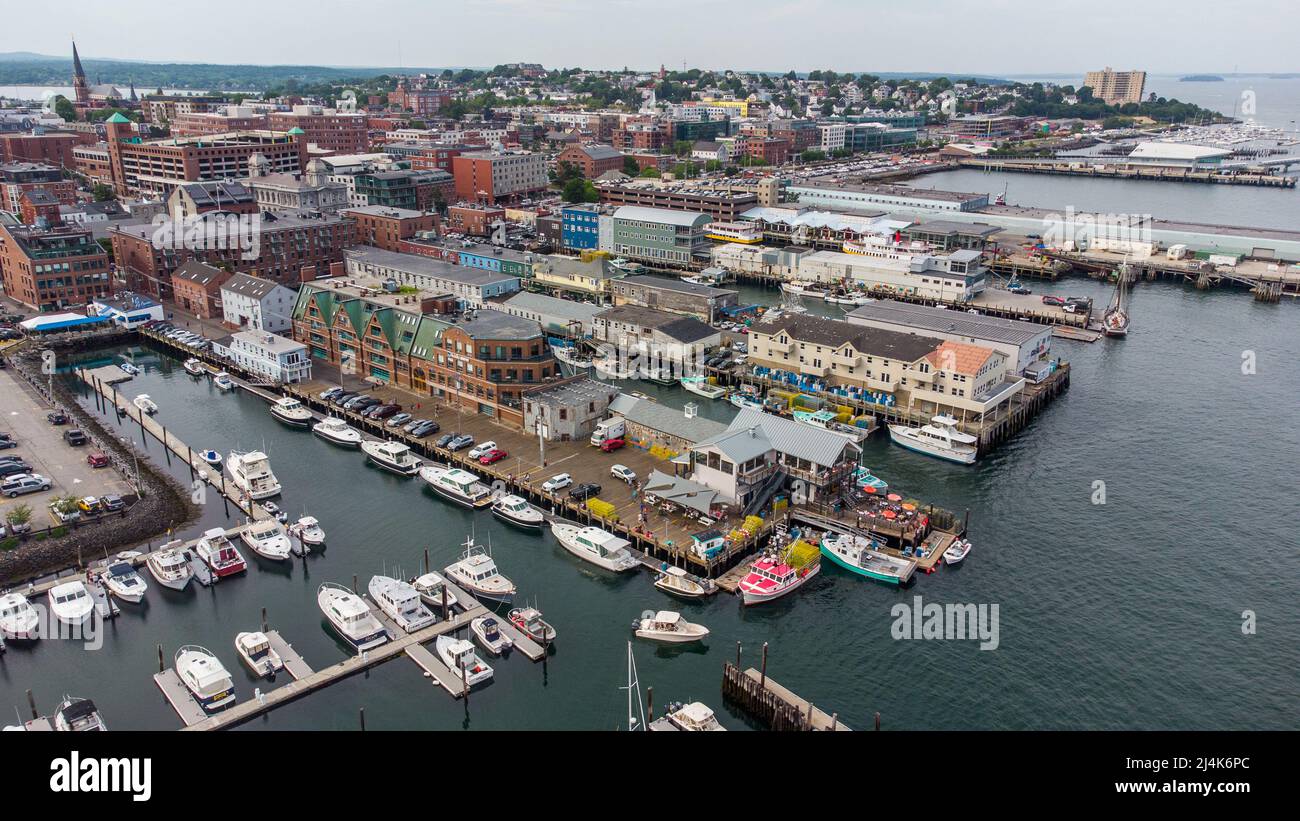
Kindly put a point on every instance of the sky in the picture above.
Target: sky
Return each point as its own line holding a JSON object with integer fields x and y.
{"x": 989, "y": 37}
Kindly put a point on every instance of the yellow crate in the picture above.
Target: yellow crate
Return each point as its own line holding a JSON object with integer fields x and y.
{"x": 603, "y": 509}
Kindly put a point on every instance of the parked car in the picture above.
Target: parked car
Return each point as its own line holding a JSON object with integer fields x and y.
{"x": 584, "y": 491}
{"x": 425, "y": 429}
{"x": 343, "y": 398}
{"x": 494, "y": 455}
{"x": 14, "y": 469}
{"x": 7, "y": 443}
{"x": 460, "y": 442}
{"x": 384, "y": 411}
{"x": 111, "y": 503}
{"x": 1018, "y": 289}
{"x": 75, "y": 437}
{"x": 412, "y": 423}
{"x": 398, "y": 420}
{"x": 610, "y": 445}
{"x": 557, "y": 482}
{"x": 1048, "y": 299}
{"x": 362, "y": 404}
{"x": 88, "y": 504}
{"x": 482, "y": 449}
{"x": 329, "y": 393}
{"x": 623, "y": 472}
{"x": 56, "y": 418}
{"x": 97, "y": 460}
{"x": 25, "y": 483}
{"x": 444, "y": 440}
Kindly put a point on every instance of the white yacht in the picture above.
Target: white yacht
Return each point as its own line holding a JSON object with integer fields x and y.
{"x": 336, "y": 430}
{"x": 432, "y": 587}
{"x": 308, "y": 531}
{"x": 700, "y": 386}
{"x": 459, "y": 655}
{"x": 392, "y": 456}
{"x": 194, "y": 367}
{"x": 223, "y": 382}
{"x": 517, "y": 511}
{"x": 488, "y": 632}
{"x": 71, "y": 602}
{"x": 695, "y": 716}
{"x": 77, "y": 715}
{"x": 292, "y": 412}
{"x": 457, "y": 486}
{"x": 205, "y": 677}
{"x": 400, "y": 602}
{"x": 170, "y": 568}
{"x": 251, "y": 473}
{"x": 600, "y": 547}
{"x": 677, "y": 582}
{"x": 145, "y": 404}
{"x": 19, "y": 620}
{"x": 940, "y": 438}
{"x": 479, "y": 575}
{"x": 124, "y": 582}
{"x": 350, "y": 616}
{"x": 669, "y": 626}
{"x": 268, "y": 539}
{"x": 255, "y": 651}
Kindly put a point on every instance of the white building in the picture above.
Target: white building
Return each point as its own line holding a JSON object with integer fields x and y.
{"x": 276, "y": 358}
{"x": 833, "y": 135}
{"x": 257, "y": 304}
{"x": 127, "y": 310}
{"x": 957, "y": 276}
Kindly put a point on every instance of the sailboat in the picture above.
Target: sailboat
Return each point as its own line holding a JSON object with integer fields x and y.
{"x": 1115, "y": 321}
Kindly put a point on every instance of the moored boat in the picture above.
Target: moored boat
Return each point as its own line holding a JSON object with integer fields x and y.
{"x": 291, "y": 412}
{"x": 529, "y": 621}
{"x": 124, "y": 582}
{"x": 336, "y": 430}
{"x": 457, "y": 486}
{"x": 219, "y": 554}
{"x": 517, "y": 511}
{"x": 668, "y": 626}
{"x": 858, "y": 554}
{"x": 489, "y": 635}
{"x": 957, "y": 552}
{"x": 393, "y": 457}
{"x": 743, "y": 400}
{"x": 350, "y": 616}
{"x": 194, "y": 367}
{"x": 600, "y": 547}
{"x": 145, "y": 404}
{"x": 477, "y": 572}
{"x": 205, "y": 677}
{"x": 940, "y": 439}
{"x": 308, "y": 531}
{"x": 693, "y": 717}
{"x": 774, "y": 575}
{"x": 223, "y": 382}
{"x": 459, "y": 655}
{"x": 251, "y": 473}
{"x": 129, "y": 368}
{"x": 701, "y": 386}
{"x": 677, "y": 582}
{"x": 255, "y": 651}
{"x": 19, "y": 620}
{"x": 400, "y": 602}
{"x": 170, "y": 568}
{"x": 78, "y": 715}
{"x": 71, "y": 602}
{"x": 212, "y": 457}
{"x": 433, "y": 590}
{"x": 267, "y": 538}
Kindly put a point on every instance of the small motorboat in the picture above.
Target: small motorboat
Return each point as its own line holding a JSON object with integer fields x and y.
{"x": 223, "y": 382}
{"x": 19, "y": 620}
{"x": 217, "y": 552}
{"x": 255, "y": 651}
{"x": 71, "y": 602}
{"x": 517, "y": 511}
{"x": 78, "y": 715}
{"x": 677, "y": 582}
{"x": 693, "y": 717}
{"x": 600, "y": 547}
{"x": 488, "y": 632}
{"x": 393, "y": 457}
{"x": 956, "y": 552}
{"x": 205, "y": 677}
{"x": 350, "y": 616}
{"x": 268, "y": 539}
{"x": 124, "y": 582}
{"x": 194, "y": 367}
{"x": 668, "y": 626}
{"x": 292, "y": 412}
{"x": 459, "y": 655}
{"x": 275, "y": 512}
{"x": 212, "y": 457}
{"x": 145, "y": 404}
{"x": 432, "y": 588}
{"x": 170, "y": 568}
{"x": 530, "y": 623}
{"x": 127, "y": 367}
{"x": 400, "y": 601}
{"x": 336, "y": 430}
{"x": 308, "y": 531}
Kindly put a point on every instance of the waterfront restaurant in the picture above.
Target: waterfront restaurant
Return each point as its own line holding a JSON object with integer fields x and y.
{"x": 266, "y": 355}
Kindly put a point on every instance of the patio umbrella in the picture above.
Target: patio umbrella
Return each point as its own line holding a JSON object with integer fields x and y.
{"x": 909, "y": 506}
{"x": 889, "y": 514}
{"x": 894, "y": 497}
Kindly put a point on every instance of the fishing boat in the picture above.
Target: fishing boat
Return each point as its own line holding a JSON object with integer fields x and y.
{"x": 217, "y": 552}
{"x": 864, "y": 478}
{"x": 600, "y": 547}
{"x": 170, "y": 568}
{"x": 488, "y": 632}
{"x": 251, "y": 473}
{"x": 517, "y": 511}
{"x": 194, "y": 367}
{"x": 858, "y": 554}
{"x": 701, "y": 386}
{"x": 569, "y": 355}
{"x": 1115, "y": 321}
{"x": 78, "y": 715}
{"x": 457, "y": 486}
{"x": 828, "y": 420}
{"x": 677, "y": 582}
{"x": 400, "y": 602}
{"x": 212, "y": 457}
{"x": 267, "y": 538}
{"x": 223, "y": 381}
{"x": 205, "y": 677}
{"x": 957, "y": 552}
{"x": 477, "y": 572}
{"x": 292, "y": 412}
{"x": 350, "y": 616}
{"x": 145, "y": 404}
{"x": 940, "y": 439}
{"x": 800, "y": 288}
{"x": 432, "y": 589}
{"x": 459, "y": 655}
{"x": 336, "y": 430}
{"x": 775, "y": 574}
{"x": 846, "y": 298}
{"x": 693, "y": 717}
{"x": 529, "y": 621}
{"x": 745, "y": 400}
{"x": 124, "y": 582}
{"x": 668, "y": 626}
{"x": 393, "y": 457}
{"x": 19, "y": 620}
{"x": 308, "y": 531}
{"x": 255, "y": 651}
{"x": 127, "y": 367}
{"x": 71, "y": 602}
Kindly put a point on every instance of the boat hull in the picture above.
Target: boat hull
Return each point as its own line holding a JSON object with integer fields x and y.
{"x": 698, "y": 592}
{"x": 291, "y": 421}
{"x": 861, "y": 571}
{"x": 960, "y": 457}
{"x": 392, "y": 468}
{"x": 522, "y": 524}
{"x": 170, "y": 584}
{"x": 751, "y": 597}
{"x": 334, "y": 440}
{"x": 459, "y": 500}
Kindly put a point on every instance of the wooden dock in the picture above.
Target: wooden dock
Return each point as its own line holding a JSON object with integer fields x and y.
{"x": 294, "y": 664}
{"x": 776, "y": 706}
{"x": 179, "y": 697}
{"x": 439, "y": 672}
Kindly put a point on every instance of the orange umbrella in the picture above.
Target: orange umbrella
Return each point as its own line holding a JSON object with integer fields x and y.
{"x": 869, "y": 489}
{"x": 889, "y": 514}
{"x": 909, "y": 506}
{"x": 894, "y": 497}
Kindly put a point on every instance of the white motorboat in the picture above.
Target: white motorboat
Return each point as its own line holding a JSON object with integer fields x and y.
{"x": 529, "y": 621}
{"x": 205, "y": 677}
{"x": 517, "y": 511}
{"x": 350, "y": 616}
{"x": 956, "y": 552}
{"x": 78, "y": 715}
{"x": 457, "y": 486}
{"x": 488, "y": 632}
{"x": 569, "y": 356}
{"x": 19, "y": 620}
{"x": 700, "y": 386}
{"x": 212, "y": 457}
{"x": 669, "y": 626}
{"x": 940, "y": 439}
{"x": 255, "y": 651}
{"x": 392, "y": 456}
{"x": 600, "y": 547}
{"x": 223, "y": 382}
{"x": 292, "y": 412}
{"x": 432, "y": 588}
{"x": 308, "y": 531}
{"x": 336, "y": 430}
{"x": 129, "y": 368}
{"x": 124, "y": 582}
{"x": 275, "y": 512}
{"x": 459, "y": 655}
{"x": 677, "y": 582}
{"x": 217, "y": 552}
{"x": 71, "y": 602}
{"x": 145, "y": 404}
{"x": 251, "y": 473}
{"x": 170, "y": 568}
{"x": 693, "y": 717}
{"x": 194, "y": 367}
{"x": 268, "y": 539}
{"x": 477, "y": 572}
{"x": 400, "y": 602}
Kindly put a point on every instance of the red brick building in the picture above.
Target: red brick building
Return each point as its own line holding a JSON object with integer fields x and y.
{"x": 592, "y": 160}
{"x": 196, "y": 287}
{"x": 52, "y": 269}
{"x": 499, "y": 176}
{"x": 52, "y": 148}
{"x": 643, "y": 135}
{"x": 39, "y": 207}
{"x": 385, "y": 227}
{"x": 437, "y": 157}
{"x": 423, "y": 101}
{"x": 19, "y": 177}
{"x": 475, "y": 220}
{"x": 337, "y": 132}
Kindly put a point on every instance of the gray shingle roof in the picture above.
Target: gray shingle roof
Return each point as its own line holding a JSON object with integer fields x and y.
{"x": 817, "y": 445}
{"x": 655, "y": 416}
{"x": 249, "y": 286}
{"x": 836, "y": 332}
{"x": 942, "y": 320}
{"x": 683, "y": 329}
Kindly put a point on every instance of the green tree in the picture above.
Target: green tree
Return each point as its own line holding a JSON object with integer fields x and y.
{"x": 649, "y": 171}
{"x": 580, "y": 190}
{"x": 630, "y": 166}
{"x": 101, "y": 192}
{"x": 65, "y": 109}
{"x": 19, "y": 515}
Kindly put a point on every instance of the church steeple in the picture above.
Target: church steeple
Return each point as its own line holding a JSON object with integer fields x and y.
{"x": 77, "y": 70}
{"x": 79, "y": 86}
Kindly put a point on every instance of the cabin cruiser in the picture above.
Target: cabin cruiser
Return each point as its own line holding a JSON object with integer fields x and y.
{"x": 194, "y": 367}
{"x": 392, "y": 456}
{"x": 477, "y": 572}
{"x": 669, "y": 626}
{"x": 771, "y": 577}
{"x": 205, "y": 677}
{"x": 400, "y": 602}
{"x": 212, "y": 457}
{"x": 488, "y": 632}
{"x": 350, "y": 616}
{"x": 530, "y": 622}
{"x": 940, "y": 438}
{"x": 255, "y": 651}
{"x": 693, "y": 717}
{"x": 77, "y": 715}
{"x": 145, "y": 404}
{"x": 170, "y": 568}
{"x": 124, "y": 582}
{"x": 432, "y": 587}
{"x": 251, "y": 473}
{"x": 459, "y": 655}
{"x": 267, "y": 538}
{"x": 700, "y": 386}
{"x": 457, "y": 486}
{"x": 217, "y": 552}
{"x": 517, "y": 511}
{"x": 292, "y": 412}
{"x": 223, "y": 382}
{"x": 308, "y": 531}
{"x": 336, "y": 430}
{"x": 858, "y": 554}
{"x": 19, "y": 620}
{"x": 71, "y": 602}
{"x": 956, "y": 552}
{"x": 600, "y": 547}
{"x": 677, "y": 582}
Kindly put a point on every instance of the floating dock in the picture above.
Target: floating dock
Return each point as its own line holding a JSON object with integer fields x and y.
{"x": 179, "y": 697}
{"x": 294, "y": 664}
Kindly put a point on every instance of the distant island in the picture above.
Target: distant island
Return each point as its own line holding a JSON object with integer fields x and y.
{"x": 1201, "y": 78}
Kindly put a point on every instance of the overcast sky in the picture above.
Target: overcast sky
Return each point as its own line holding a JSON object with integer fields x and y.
{"x": 972, "y": 36}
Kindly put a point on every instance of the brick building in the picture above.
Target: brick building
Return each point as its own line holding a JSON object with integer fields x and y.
{"x": 335, "y": 132}
{"x": 19, "y": 177}
{"x": 475, "y": 220}
{"x": 385, "y": 227}
{"x": 54, "y": 268}
{"x": 499, "y": 176}
{"x": 196, "y": 287}
{"x": 592, "y": 160}
{"x": 51, "y": 148}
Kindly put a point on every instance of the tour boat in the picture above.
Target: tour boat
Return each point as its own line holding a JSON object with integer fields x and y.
{"x": 488, "y": 632}
{"x": 350, "y": 616}
{"x": 956, "y": 552}
{"x": 771, "y": 577}
{"x": 857, "y": 554}
{"x": 336, "y": 430}
{"x": 251, "y": 473}
{"x": 78, "y": 715}
{"x": 292, "y": 412}
{"x": 677, "y": 582}
{"x": 205, "y": 677}
{"x": 267, "y": 538}
{"x": 212, "y": 457}
{"x": 693, "y": 717}
{"x": 669, "y": 626}
{"x": 217, "y": 552}
{"x": 457, "y": 486}
{"x": 124, "y": 582}
{"x": 432, "y": 587}
{"x": 600, "y": 547}
{"x": 530, "y": 622}
{"x": 393, "y": 457}
{"x": 864, "y": 478}
{"x": 940, "y": 439}
{"x": 194, "y": 367}
{"x": 700, "y": 386}
{"x": 401, "y": 602}
{"x": 145, "y": 404}
{"x": 742, "y": 401}
{"x": 255, "y": 651}
{"x": 19, "y": 620}
{"x": 517, "y": 511}
{"x": 477, "y": 572}
{"x": 127, "y": 367}
{"x": 71, "y": 602}
{"x": 459, "y": 655}
{"x": 308, "y": 531}
{"x": 170, "y": 568}
{"x": 223, "y": 381}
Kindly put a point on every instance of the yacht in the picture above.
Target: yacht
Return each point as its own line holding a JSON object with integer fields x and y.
{"x": 145, "y": 404}
{"x": 700, "y": 386}
{"x": 170, "y": 568}
{"x": 124, "y": 582}
{"x": 350, "y": 616}
{"x": 308, "y": 531}
{"x": 77, "y": 715}
{"x": 669, "y": 626}
{"x": 292, "y": 412}
{"x": 19, "y": 620}
{"x": 517, "y": 511}
{"x": 488, "y": 632}
{"x": 600, "y": 547}
{"x": 432, "y": 588}
{"x": 477, "y": 572}
{"x": 205, "y": 677}
{"x": 529, "y": 621}
{"x": 252, "y": 474}
{"x": 459, "y": 655}
{"x": 677, "y": 582}
{"x": 223, "y": 382}
{"x": 956, "y": 552}
{"x": 457, "y": 486}
{"x": 940, "y": 438}
{"x": 71, "y": 602}
{"x": 194, "y": 367}
{"x": 392, "y": 456}
{"x": 401, "y": 602}
{"x": 217, "y": 552}
{"x": 858, "y": 554}
{"x": 695, "y": 716}
{"x": 336, "y": 430}
{"x": 267, "y": 538}
{"x": 255, "y": 651}
{"x": 212, "y": 457}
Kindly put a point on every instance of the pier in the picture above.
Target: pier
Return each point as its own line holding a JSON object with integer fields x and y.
{"x": 775, "y": 706}
{"x": 1121, "y": 171}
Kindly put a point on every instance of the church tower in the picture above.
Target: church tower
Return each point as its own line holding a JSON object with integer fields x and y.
{"x": 79, "y": 86}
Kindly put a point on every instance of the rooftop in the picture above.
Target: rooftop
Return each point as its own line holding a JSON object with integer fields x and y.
{"x": 659, "y": 417}
{"x": 832, "y": 333}
{"x": 817, "y": 445}
{"x": 685, "y": 329}
{"x": 943, "y": 320}
{"x": 250, "y": 286}
{"x": 680, "y": 286}
{"x": 417, "y": 265}
{"x": 683, "y": 219}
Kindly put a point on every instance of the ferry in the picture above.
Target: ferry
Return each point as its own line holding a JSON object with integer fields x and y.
{"x": 336, "y": 430}
{"x": 194, "y": 367}
{"x": 251, "y": 473}
{"x": 516, "y": 511}
{"x": 170, "y": 568}
{"x": 255, "y": 651}
{"x": 600, "y": 547}
{"x": 857, "y": 554}
{"x": 882, "y": 248}
{"x": 940, "y": 439}
{"x": 477, "y": 572}
{"x": 292, "y": 412}
{"x": 78, "y": 715}
{"x": 457, "y": 486}
{"x": 393, "y": 457}
{"x": 745, "y": 233}
{"x": 459, "y": 655}
{"x": 700, "y": 386}
{"x": 350, "y": 616}
{"x": 19, "y": 620}
{"x": 268, "y": 539}
{"x": 219, "y": 554}
{"x": 400, "y": 602}
{"x": 205, "y": 677}
{"x": 774, "y": 575}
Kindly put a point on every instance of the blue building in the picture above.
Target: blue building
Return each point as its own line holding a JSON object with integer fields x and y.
{"x": 580, "y": 227}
